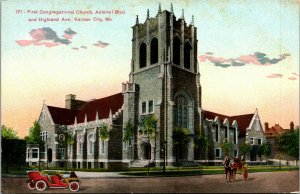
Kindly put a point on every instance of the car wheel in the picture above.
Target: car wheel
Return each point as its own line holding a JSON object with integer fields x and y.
{"x": 41, "y": 185}
{"x": 74, "y": 186}
{"x": 31, "y": 185}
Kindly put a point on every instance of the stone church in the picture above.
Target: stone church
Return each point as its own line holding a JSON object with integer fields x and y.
{"x": 165, "y": 81}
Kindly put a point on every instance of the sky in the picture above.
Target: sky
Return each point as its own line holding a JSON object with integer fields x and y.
{"x": 248, "y": 54}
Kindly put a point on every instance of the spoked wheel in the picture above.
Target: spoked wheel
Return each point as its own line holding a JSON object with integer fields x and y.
{"x": 74, "y": 186}
{"x": 41, "y": 185}
{"x": 31, "y": 185}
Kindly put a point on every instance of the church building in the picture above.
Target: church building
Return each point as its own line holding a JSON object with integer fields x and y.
{"x": 164, "y": 81}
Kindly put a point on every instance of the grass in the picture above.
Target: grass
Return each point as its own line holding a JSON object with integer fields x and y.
{"x": 170, "y": 171}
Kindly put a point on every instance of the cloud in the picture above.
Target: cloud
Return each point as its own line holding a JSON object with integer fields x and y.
{"x": 69, "y": 33}
{"x": 101, "y": 44}
{"x": 274, "y": 75}
{"x": 75, "y": 48}
{"x": 296, "y": 74}
{"x": 83, "y": 47}
{"x": 43, "y": 37}
{"x": 257, "y": 58}
{"x": 292, "y": 78}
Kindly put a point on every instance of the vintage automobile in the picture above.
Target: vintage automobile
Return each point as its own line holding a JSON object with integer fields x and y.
{"x": 55, "y": 179}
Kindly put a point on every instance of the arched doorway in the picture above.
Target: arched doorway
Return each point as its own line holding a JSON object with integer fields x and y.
{"x": 145, "y": 151}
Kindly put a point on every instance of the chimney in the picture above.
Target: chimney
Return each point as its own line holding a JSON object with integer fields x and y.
{"x": 70, "y": 102}
{"x": 292, "y": 126}
{"x": 266, "y": 126}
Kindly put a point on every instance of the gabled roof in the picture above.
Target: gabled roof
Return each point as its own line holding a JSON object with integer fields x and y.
{"x": 243, "y": 121}
{"x": 103, "y": 106}
{"x": 62, "y": 116}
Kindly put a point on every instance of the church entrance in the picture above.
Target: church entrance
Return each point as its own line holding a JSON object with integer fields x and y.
{"x": 145, "y": 151}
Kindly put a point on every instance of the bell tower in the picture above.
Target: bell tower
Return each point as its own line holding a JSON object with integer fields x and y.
{"x": 165, "y": 81}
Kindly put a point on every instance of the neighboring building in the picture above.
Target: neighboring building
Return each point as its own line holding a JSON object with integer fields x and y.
{"x": 165, "y": 81}
{"x": 271, "y": 134}
{"x": 237, "y": 129}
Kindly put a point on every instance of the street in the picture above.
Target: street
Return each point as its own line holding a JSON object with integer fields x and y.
{"x": 265, "y": 182}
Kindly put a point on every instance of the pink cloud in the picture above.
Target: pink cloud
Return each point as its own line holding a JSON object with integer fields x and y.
{"x": 292, "y": 78}
{"x": 68, "y": 36}
{"x": 25, "y": 42}
{"x": 249, "y": 59}
{"x": 38, "y": 34}
{"x": 274, "y": 75}
{"x": 217, "y": 59}
{"x": 203, "y": 58}
{"x": 46, "y": 44}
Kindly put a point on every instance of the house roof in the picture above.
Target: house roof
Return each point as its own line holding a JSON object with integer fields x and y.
{"x": 243, "y": 121}
{"x": 275, "y": 130}
{"x": 103, "y": 106}
{"x": 62, "y": 116}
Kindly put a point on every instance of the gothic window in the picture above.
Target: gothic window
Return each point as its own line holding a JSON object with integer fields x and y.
{"x": 187, "y": 55}
{"x": 80, "y": 145}
{"x": 181, "y": 112}
{"x": 102, "y": 146}
{"x": 154, "y": 51}
{"x": 61, "y": 138}
{"x": 176, "y": 51}
{"x": 143, "y": 55}
{"x": 91, "y": 143}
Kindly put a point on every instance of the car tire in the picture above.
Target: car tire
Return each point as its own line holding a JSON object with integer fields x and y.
{"x": 40, "y": 185}
{"x": 31, "y": 185}
{"x": 74, "y": 186}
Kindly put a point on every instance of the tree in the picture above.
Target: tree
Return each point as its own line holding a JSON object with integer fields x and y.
{"x": 35, "y": 138}
{"x": 103, "y": 131}
{"x": 288, "y": 143}
{"x": 148, "y": 125}
{"x": 244, "y": 148}
{"x": 128, "y": 135}
{"x": 226, "y": 146}
{"x": 181, "y": 137}
{"x": 202, "y": 143}
{"x": 34, "y": 134}
{"x": 266, "y": 150}
{"x": 8, "y": 133}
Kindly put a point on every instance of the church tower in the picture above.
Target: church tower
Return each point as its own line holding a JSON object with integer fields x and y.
{"x": 165, "y": 81}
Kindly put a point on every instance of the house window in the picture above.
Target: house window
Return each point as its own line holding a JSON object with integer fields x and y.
{"x": 217, "y": 133}
{"x": 218, "y": 153}
{"x": 80, "y": 145}
{"x": 61, "y": 138}
{"x": 226, "y": 132}
{"x": 259, "y": 141}
{"x": 35, "y": 153}
{"x": 61, "y": 153}
{"x": 150, "y": 105}
{"x": 144, "y": 105}
{"x": 252, "y": 141}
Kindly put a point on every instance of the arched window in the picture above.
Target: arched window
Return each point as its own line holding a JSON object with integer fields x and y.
{"x": 187, "y": 55}
{"x": 143, "y": 55}
{"x": 176, "y": 50}
{"x": 91, "y": 143}
{"x": 181, "y": 116}
{"x": 154, "y": 51}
